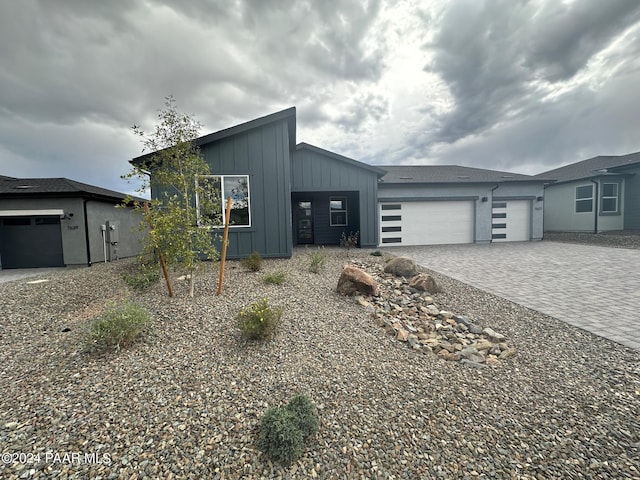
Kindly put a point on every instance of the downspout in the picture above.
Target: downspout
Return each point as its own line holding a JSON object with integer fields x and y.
{"x": 86, "y": 232}
{"x": 595, "y": 202}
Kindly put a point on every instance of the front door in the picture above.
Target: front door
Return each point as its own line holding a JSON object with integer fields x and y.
{"x": 304, "y": 222}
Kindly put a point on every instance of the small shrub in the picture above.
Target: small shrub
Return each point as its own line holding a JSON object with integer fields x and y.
{"x": 349, "y": 241}
{"x": 280, "y": 437}
{"x": 259, "y": 320}
{"x": 317, "y": 260}
{"x": 119, "y": 326}
{"x": 283, "y": 430}
{"x": 253, "y": 262}
{"x": 305, "y": 412}
{"x": 275, "y": 278}
{"x": 376, "y": 253}
{"x": 145, "y": 273}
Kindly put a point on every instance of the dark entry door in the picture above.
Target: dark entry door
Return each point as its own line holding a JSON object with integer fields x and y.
{"x": 31, "y": 242}
{"x": 304, "y": 222}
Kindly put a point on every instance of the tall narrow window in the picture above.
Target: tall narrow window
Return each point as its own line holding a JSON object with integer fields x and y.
{"x": 584, "y": 199}
{"x": 338, "y": 211}
{"x": 610, "y": 193}
{"x": 215, "y": 190}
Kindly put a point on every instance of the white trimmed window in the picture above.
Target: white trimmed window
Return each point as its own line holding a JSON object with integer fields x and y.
{"x": 610, "y": 195}
{"x": 338, "y": 211}
{"x": 218, "y": 188}
{"x": 584, "y": 199}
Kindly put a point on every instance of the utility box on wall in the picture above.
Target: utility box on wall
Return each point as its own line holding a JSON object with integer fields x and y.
{"x": 113, "y": 238}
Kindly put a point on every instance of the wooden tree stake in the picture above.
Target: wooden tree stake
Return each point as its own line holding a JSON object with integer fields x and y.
{"x": 223, "y": 256}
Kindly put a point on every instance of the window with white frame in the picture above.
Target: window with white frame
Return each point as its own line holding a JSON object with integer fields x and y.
{"x": 212, "y": 199}
{"x": 338, "y": 211}
{"x": 584, "y": 199}
{"x": 610, "y": 195}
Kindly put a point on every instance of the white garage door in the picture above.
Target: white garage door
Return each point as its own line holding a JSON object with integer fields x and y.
{"x": 426, "y": 223}
{"x": 511, "y": 221}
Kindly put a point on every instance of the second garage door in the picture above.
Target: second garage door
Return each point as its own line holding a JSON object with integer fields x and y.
{"x": 510, "y": 221}
{"x": 426, "y": 222}
{"x": 31, "y": 242}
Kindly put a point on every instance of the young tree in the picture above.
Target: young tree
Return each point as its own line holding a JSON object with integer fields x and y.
{"x": 171, "y": 170}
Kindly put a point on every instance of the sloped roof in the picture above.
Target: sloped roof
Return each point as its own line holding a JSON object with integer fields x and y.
{"x": 365, "y": 166}
{"x": 592, "y": 167}
{"x": 451, "y": 174}
{"x": 288, "y": 114}
{"x": 14, "y": 187}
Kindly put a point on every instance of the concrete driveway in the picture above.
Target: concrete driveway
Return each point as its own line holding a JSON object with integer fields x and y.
{"x": 593, "y": 288}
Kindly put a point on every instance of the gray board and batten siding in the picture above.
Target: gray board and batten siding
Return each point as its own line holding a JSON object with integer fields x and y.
{"x": 321, "y": 175}
{"x": 261, "y": 150}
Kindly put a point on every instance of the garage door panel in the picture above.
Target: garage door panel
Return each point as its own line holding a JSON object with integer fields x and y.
{"x": 429, "y": 223}
{"x": 31, "y": 242}
{"x": 511, "y": 221}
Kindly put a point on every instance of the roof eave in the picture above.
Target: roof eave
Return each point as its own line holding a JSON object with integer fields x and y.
{"x": 288, "y": 114}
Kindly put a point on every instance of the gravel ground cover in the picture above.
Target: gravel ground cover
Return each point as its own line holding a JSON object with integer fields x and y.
{"x": 186, "y": 402}
{"x": 618, "y": 239}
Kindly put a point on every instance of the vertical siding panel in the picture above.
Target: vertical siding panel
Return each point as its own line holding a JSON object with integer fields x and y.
{"x": 323, "y": 174}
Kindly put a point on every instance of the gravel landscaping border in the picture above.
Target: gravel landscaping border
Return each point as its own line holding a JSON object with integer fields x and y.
{"x": 187, "y": 400}
{"x": 616, "y": 239}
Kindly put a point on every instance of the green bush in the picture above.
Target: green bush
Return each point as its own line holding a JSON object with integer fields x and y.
{"x": 253, "y": 262}
{"x": 317, "y": 260}
{"x": 283, "y": 430}
{"x": 280, "y": 437}
{"x": 144, "y": 273}
{"x": 119, "y": 326}
{"x": 305, "y": 412}
{"x": 275, "y": 278}
{"x": 259, "y": 320}
{"x": 376, "y": 253}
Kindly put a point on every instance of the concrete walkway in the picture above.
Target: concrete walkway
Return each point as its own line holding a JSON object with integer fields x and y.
{"x": 11, "y": 274}
{"x": 593, "y": 288}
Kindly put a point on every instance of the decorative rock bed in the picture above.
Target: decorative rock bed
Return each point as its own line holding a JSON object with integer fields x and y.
{"x": 412, "y": 316}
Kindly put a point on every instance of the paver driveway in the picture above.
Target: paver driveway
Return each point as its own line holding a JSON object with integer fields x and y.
{"x": 594, "y": 288}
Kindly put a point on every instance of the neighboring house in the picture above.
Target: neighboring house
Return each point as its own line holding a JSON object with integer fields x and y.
{"x": 286, "y": 194}
{"x": 54, "y": 222}
{"x": 445, "y": 204}
{"x": 595, "y": 195}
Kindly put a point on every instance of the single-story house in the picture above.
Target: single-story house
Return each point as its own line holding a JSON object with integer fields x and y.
{"x": 287, "y": 194}
{"x": 595, "y": 195}
{"x": 55, "y": 222}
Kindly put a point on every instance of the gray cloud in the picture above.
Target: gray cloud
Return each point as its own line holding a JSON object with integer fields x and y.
{"x": 496, "y": 56}
{"x": 524, "y": 84}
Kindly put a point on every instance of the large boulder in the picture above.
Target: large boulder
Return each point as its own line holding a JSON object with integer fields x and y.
{"x": 353, "y": 280}
{"x": 401, "y": 267}
{"x": 424, "y": 282}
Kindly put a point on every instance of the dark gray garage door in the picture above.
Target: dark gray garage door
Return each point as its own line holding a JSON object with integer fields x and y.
{"x": 31, "y": 242}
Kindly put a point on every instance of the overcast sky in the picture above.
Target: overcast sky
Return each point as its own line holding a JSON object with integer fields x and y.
{"x": 523, "y": 86}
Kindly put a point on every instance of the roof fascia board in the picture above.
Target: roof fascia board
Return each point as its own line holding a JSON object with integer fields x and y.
{"x": 288, "y": 114}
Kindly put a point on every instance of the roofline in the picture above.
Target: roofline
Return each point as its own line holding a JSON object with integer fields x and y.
{"x": 365, "y": 166}
{"x": 288, "y": 114}
{"x": 78, "y": 194}
{"x": 469, "y": 182}
{"x": 83, "y": 191}
{"x": 593, "y": 177}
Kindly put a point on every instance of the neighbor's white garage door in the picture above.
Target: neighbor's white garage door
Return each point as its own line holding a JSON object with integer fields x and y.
{"x": 511, "y": 221}
{"x": 427, "y": 222}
